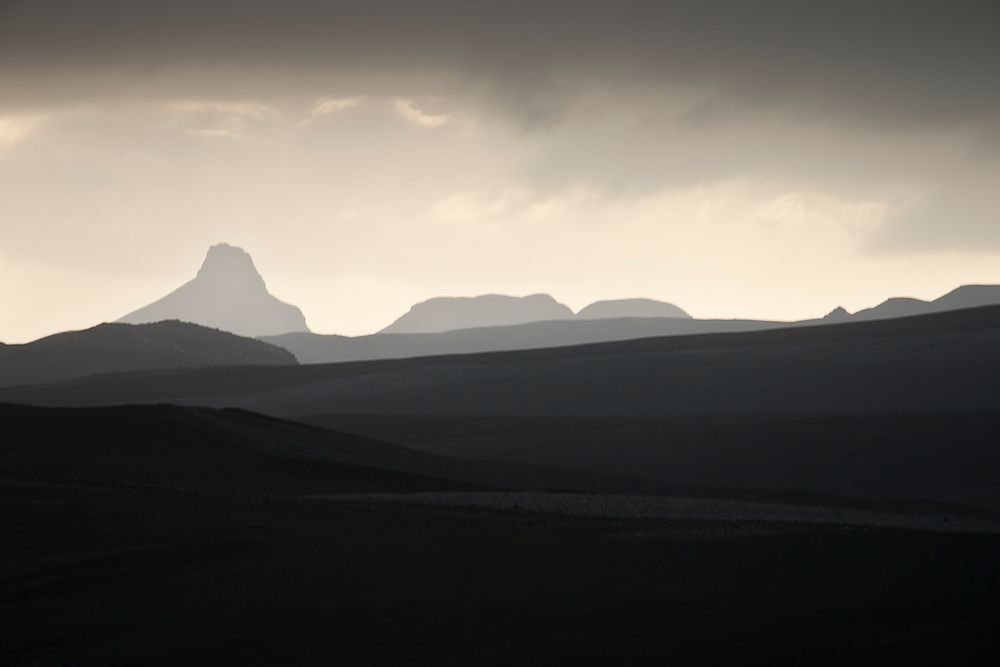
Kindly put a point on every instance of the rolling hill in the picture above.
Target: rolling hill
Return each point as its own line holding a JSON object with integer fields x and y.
{"x": 110, "y": 348}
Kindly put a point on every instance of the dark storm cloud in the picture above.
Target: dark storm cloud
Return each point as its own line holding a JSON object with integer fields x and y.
{"x": 894, "y": 61}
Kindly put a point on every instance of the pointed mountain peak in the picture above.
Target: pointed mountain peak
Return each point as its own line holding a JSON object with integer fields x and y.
{"x": 838, "y": 314}
{"x": 228, "y": 293}
{"x": 231, "y": 264}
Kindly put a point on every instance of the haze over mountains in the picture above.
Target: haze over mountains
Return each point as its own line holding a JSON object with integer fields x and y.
{"x": 227, "y": 293}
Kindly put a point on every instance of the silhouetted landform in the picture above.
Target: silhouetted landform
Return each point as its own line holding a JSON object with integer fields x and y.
{"x": 312, "y": 348}
{"x": 168, "y": 535}
{"x": 227, "y": 293}
{"x": 595, "y": 323}
{"x": 966, "y": 296}
{"x": 449, "y": 313}
{"x": 838, "y": 314}
{"x": 234, "y": 451}
{"x": 197, "y": 449}
{"x": 445, "y": 314}
{"x": 941, "y": 362}
{"x": 620, "y": 308}
{"x": 903, "y": 462}
{"x": 109, "y": 348}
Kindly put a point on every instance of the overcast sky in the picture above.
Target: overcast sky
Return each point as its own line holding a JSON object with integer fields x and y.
{"x": 740, "y": 159}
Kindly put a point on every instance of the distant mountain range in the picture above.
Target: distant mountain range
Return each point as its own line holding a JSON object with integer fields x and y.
{"x": 227, "y": 293}
{"x": 492, "y": 310}
{"x": 966, "y": 296}
{"x": 109, "y": 348}
{"x": 603, "y": 321}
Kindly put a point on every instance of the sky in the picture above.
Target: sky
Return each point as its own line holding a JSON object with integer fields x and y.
{"x": 766, "y": 159}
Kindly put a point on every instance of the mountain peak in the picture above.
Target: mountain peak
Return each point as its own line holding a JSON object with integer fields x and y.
{"x": 232, "y": 264}
{"x": 631, "y": 308}
{"x": 838, "y": 314}
{"x": 227, "y": 293}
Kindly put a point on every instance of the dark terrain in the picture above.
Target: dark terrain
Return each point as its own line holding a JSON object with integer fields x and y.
{"x": 898, "y": 461}
{"x": 814, "y": 495}
{"x": 109, "y": 348}
{"x": 943, "y": 363}
{"x": 311, "y": 348}
{"x": 177, "y": 535}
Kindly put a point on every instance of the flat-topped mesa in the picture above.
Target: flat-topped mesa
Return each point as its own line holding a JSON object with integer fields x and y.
{"x": 467, "y": 312}
{"x": 227, "y": 293}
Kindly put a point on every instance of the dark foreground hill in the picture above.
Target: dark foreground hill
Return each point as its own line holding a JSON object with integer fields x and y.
{"x": 897, "y": 461}
{"x": 161, "y": 535}
{"x": 109, "y": 348}
{"x": 233, "y": 451}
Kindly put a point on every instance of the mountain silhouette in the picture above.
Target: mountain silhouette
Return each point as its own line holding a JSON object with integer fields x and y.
{"x": 838, "y": 314}
{"x": 229, "y": 294}
{"x": 451, "y": 313}
{"x": 117, "y": 347}
{"x": 600, "y": 310}
{"x": 966, "y": 296}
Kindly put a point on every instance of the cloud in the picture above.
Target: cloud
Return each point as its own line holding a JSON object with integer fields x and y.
{"x": 888, "y": 64}
{"x": 330, "y": 106}
{"x": 409, "y": 112}
{"x": 16, "y": 128}
{"x": 215, "y": 118}
{"x": 809, "y": 211}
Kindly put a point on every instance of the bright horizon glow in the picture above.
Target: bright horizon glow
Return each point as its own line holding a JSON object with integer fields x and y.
{"x": 648, "y": 151}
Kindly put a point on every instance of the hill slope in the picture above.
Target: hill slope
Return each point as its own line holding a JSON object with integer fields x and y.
{"x": 109, "y": 348}
{"x": 312, "y": 348}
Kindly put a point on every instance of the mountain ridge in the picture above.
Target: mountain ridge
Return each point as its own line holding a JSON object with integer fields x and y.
{"x": 117, "y": 346}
